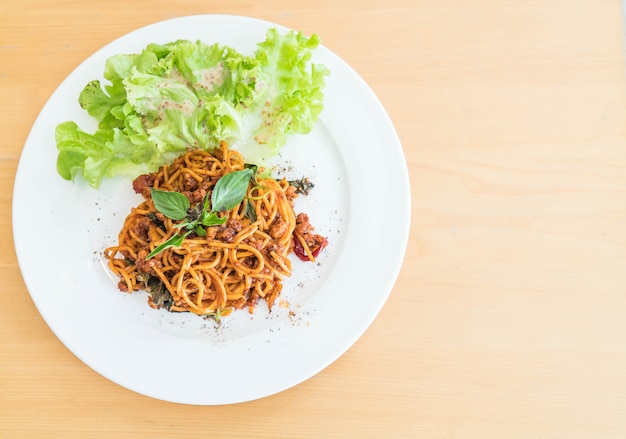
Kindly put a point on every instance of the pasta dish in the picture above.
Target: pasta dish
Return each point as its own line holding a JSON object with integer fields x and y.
{"x": 192, "y": 255}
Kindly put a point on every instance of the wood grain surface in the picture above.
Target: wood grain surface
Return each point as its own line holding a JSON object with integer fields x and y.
{"x": 508, "y": 319}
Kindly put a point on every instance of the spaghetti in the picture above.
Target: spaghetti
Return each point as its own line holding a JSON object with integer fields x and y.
{"x": 234, "y": 265}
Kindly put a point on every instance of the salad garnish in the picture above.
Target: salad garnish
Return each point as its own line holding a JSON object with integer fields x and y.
{"x": 183, "y": 95}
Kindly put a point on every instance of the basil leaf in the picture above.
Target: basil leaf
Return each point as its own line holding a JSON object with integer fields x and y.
{"x": 249, "y": 211}
{"x": 255, "y": 170}
{"x": 174, "y": 241}
{"x": 200, "y": 231}
{"x": 230, "y": 190}
{"x": 186, "y": 224}
{"x": 213, "y": 220}
{"x": 161, "y": 297}
{"x": 173, "y": 205}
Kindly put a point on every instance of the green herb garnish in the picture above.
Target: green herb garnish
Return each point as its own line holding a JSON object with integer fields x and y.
{"x": 303, "y": 186}
{"x": 174, "y": 241}
{"x": 249, "y": 211}
{"x": 173, "y": 205}
{"x": 228, "y": 192}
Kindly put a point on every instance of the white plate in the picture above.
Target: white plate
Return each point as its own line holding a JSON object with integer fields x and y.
{"x": 361, "y": 202}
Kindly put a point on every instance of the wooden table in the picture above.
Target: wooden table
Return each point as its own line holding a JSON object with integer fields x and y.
{"x": 508, "y": 319}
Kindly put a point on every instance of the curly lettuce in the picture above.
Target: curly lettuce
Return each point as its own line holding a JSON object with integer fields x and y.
{"x": 184, "y": 94}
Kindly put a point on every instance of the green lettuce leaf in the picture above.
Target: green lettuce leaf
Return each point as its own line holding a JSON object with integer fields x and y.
{"x": 184, "y": 94}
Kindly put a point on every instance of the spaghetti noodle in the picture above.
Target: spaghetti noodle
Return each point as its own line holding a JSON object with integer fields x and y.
{"x": 234, "y": 265}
